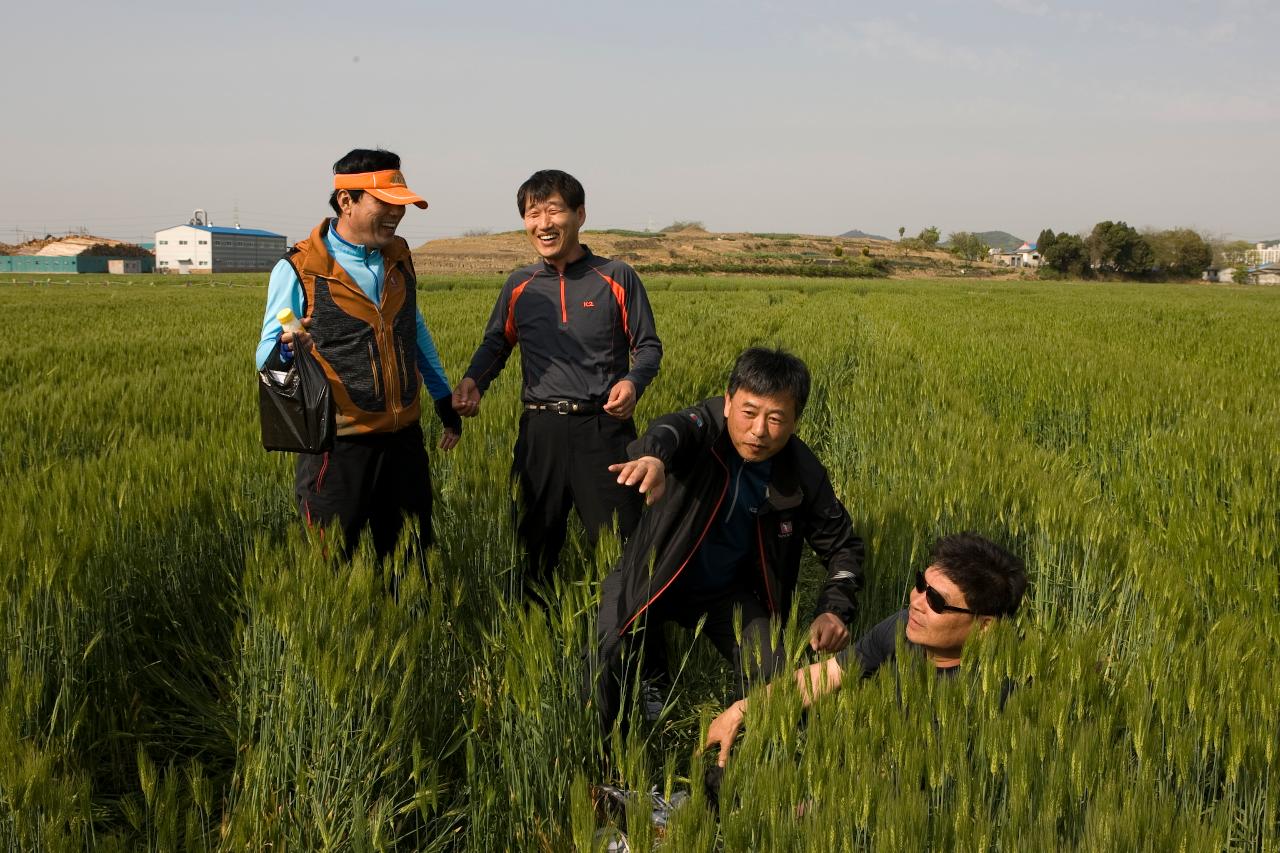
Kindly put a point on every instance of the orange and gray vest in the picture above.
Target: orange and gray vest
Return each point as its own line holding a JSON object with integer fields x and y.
{"x": 366, "y": 350}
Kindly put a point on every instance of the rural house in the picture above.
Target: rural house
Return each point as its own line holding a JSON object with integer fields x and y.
{"x": 1023, "y": 256}
{"x": 1266, "y": 274}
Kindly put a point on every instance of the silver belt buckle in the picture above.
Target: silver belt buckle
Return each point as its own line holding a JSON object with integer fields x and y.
{"x": 562, "y": 407}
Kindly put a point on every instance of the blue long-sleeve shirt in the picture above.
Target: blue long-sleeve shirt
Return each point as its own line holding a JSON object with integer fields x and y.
{"x": 364, "y": 265}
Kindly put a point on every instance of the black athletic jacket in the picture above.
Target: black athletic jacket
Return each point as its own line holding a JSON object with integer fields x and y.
{"x": 577, "y": 331}
{"x": 799, "y": 505}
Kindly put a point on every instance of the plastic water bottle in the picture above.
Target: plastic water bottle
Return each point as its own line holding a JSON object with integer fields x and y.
{"x": 288, "y": 323}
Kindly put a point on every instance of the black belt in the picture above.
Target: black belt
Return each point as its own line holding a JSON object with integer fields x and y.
{"x": 565, "y": 407}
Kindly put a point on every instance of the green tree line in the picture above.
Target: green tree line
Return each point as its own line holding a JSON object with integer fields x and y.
{"x": 1117, "y": 249}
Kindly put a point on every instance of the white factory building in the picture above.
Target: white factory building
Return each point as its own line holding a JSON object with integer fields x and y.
{"x": 199, "y": 247}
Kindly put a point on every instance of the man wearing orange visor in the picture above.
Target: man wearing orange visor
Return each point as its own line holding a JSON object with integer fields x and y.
{"x": 352, "y": 283}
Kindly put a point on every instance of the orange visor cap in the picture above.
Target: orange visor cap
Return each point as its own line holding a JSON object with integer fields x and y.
{"x": 387, "y": 185}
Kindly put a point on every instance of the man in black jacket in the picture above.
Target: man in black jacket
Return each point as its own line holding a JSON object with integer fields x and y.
{"x": 733, "y": 493}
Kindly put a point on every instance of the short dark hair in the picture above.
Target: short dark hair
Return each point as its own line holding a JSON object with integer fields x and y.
{"x": 359, "y": 160}
{"x": 544, "y": 184}
{"x": 991, "y": 578}
{"x": 771, "y": 373}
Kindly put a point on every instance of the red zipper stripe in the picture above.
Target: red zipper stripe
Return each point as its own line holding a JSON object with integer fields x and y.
{"x": 564, "y": 311}
{"x": 764, "y": 567}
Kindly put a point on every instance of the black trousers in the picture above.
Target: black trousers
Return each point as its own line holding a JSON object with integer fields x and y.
{"x": 368, "y": 481}
{"x": 562, "y": 461}
{"x": 755, "y": 659}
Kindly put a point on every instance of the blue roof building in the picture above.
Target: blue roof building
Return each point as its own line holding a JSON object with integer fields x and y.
{"x": 240, "y": 232}
{"x": 198, "y": 247}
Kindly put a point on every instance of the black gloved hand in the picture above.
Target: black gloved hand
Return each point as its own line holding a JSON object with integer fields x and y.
{"x": 451, "y": 419}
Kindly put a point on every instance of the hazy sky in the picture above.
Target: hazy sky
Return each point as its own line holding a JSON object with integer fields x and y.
{"x": 817, "y": 117}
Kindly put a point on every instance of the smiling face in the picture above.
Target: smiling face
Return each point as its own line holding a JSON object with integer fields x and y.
{"x": 553, "y": 228}
{"x": 368, "y": 221}
{"x": 942, "y": 635}
{"x": 759, "y": 426}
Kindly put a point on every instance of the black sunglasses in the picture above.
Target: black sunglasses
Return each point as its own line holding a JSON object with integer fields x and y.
{"x": 934, "y": 599}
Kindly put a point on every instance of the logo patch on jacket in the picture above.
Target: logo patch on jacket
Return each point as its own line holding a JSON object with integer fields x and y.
{"x": 588, "y": 304}
{"x": 696, "y": 418}
{"x": 784, "y": 528}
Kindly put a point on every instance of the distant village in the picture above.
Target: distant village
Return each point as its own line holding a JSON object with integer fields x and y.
{"x": 200, "y": 247}
{"x": 1262, "y": 263}
{"x": 197, "y": 247}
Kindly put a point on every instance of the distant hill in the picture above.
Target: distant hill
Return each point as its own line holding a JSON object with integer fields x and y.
{"x": 697, "y": 251}
{"x": 855, "y": 234}
{"x": 1000, "y": 240}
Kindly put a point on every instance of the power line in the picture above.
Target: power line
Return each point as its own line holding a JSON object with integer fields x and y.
{"x": 137, "y": 218}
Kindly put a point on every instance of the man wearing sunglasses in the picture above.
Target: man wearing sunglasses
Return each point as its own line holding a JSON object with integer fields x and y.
{"x": 970, "y": 582}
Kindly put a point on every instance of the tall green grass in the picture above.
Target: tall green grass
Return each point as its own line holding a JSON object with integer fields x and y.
{"x": 185, "y": 669}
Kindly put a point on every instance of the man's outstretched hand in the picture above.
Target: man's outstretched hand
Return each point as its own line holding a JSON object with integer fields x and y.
{"x": 647, "y": 474}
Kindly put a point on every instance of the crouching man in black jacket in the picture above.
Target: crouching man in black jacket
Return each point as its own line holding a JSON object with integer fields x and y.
{"x": 733, "y": 493}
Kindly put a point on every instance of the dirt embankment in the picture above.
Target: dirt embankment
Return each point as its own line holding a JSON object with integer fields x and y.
{"x": 697, "y": 251}
{"x": 77, "y": 244}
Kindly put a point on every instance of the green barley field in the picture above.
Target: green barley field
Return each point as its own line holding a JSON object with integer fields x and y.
{"x": 183, "y": 670}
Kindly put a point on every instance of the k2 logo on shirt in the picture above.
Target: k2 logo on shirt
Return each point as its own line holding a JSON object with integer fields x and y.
{"x": 784, "y": 528}
{"x": 588, "y": 304}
